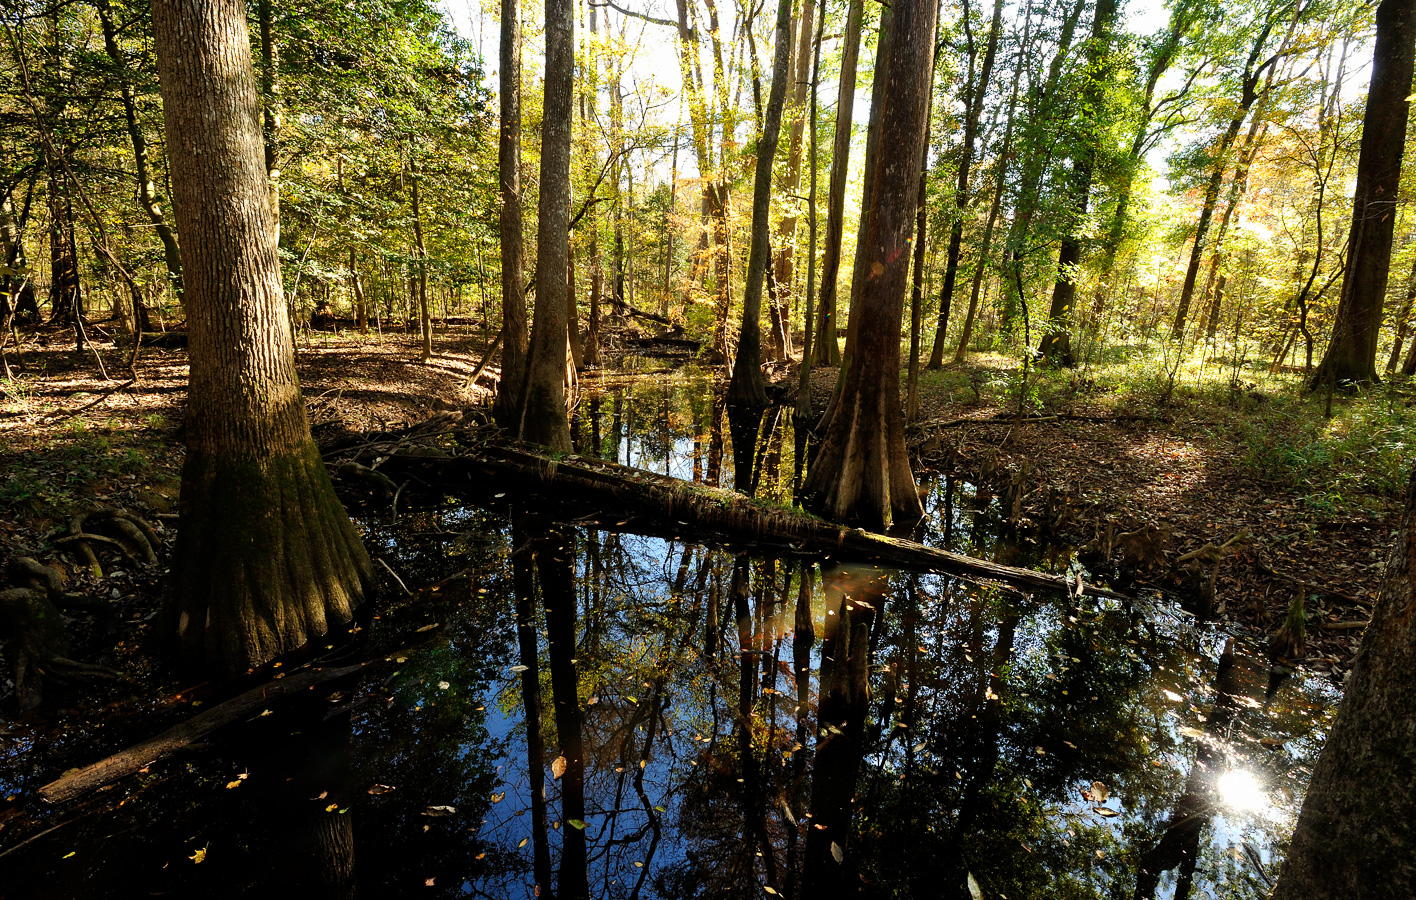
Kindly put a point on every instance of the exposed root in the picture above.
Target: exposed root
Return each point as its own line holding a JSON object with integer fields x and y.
{"x": 32, "y": 627}
{"x": 115, "y": 528}
{"x": 1287, "y": 644}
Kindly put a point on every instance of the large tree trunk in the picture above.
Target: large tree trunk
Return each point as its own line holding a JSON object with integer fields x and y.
{"x": 266, "y": 557}
{"x": 827, "y": 346}
{"x": 1056, "y": 344}
{"x": 1356, "y": 835}
{"x": 974, "y": 97}
{"x": 1352, "y": 355}
{"x": 513, "y": 296}
{"x": 862, "y": 471}
{"x": 747, "y": 388}
{"x": 543, "y": 410}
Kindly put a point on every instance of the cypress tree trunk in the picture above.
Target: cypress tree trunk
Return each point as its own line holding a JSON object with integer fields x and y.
{"x": 1356, "y": 835}
{"x": 543, "y": 414}
{"x": 513, "y": 295}
{"x": 861, "y": 473}
{"x": 266, "y": 557}
{"x": 1352, "y": 355}
{"x": 747, "y": 388}
{"x": 828, "y": 349}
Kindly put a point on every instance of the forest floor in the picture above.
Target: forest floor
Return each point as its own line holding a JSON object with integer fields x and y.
{"x": 1203, "y": 460}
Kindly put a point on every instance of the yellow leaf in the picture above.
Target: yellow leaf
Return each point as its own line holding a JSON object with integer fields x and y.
{"x": 558, "y": 767}
{"x": 200, "y": 856}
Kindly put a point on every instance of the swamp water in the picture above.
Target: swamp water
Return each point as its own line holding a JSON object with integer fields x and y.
{"x": 704, "y": 724}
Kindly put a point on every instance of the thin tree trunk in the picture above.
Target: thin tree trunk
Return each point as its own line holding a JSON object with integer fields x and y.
{"x": 828, "y": 349}
{"x": 425, "y": 314}
{"x": 1403, "y": 320}
{"x": 975, "y": 94}
{"x": 747, "y": 388}
{"x": 147, "y": 189}
{"x": 513, "y": 294}
{"x": 272, "y": 105}
{"x": 543, "y": 406}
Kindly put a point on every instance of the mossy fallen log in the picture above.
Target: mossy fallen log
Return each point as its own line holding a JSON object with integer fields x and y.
{"x": 621, "y": 498}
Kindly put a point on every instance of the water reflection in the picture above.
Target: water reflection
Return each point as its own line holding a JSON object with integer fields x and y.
{"x": 632, "y": 717}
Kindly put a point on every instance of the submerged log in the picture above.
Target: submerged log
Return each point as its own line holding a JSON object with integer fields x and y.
{"x": 126, "y": 762}
{"x": 620, "y": 498}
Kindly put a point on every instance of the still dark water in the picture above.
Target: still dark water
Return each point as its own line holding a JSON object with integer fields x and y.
{"x": 672, "y": 720}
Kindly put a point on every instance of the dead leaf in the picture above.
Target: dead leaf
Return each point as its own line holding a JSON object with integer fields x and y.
{"x": 200, "y": 856}
{"x": 380, "y": 789}
{"x": 558, "y": 767}
{"x": 440, "y": 811}
{"x": 975, "y": 891}
{"x": 837, "y": 853}
{"x": 427, "y": 627}
{"x": 1103, "y": 811}
{"x": 1099, "y": 792}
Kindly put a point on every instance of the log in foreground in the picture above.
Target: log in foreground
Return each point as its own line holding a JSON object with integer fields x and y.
{"x": 620, "y": 498}
{"x": 119, "y": 765}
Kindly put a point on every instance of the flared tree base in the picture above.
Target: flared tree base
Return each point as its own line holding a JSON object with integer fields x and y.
{"x": 266, "y": 560}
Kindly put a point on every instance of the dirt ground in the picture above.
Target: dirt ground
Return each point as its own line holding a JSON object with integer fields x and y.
{"x": 71, "y": 438}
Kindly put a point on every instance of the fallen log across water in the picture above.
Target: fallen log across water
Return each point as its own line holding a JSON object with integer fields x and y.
{"x": 620, "y": 498}
{"x": 126, "y": 762}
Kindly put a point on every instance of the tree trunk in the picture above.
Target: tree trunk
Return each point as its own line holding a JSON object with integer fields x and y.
{"x": 266, "y": 557}
{"x": 147, "y": 189}
{"x": 513, "y": 295}
{"x": 1352, "y": 354}
{"x": 862, "y": 471}
{"x": 425, "y": 313}
{"x": 975, "y": 95}
{"x": 523, "y": 582}
{"x": 1356, "y": 834}
{"x": 361, "y": 306}
{"x": 782, "y": 269}
{"x": 747, "y": 388}
{"x": 543, "y": 403}
{"x": 65, "y": 298}
{"x": 1056, "y": 345}
{"x": 1403, "y": 320}
{"x": 272, "y": 106}
{"x": 828, "y": 348}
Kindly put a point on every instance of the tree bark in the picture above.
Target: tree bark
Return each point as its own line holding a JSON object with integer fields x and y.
{"x": 266, "y": 557}
{"x": 1351, "y": 356}
{"x": 513, "y": 294}
{"x": 272, "y": 106}
{"x": 747, "y": 388}
{"x": 1356, "y": 834}
{"x": 862, "y": 471}
{"x": 1403, "y": 321}
{"x": 782, "y": 269}
{"x": 543, "y": 407}
{"x": 425, "y": 313}
{"x": 828, "y": 348}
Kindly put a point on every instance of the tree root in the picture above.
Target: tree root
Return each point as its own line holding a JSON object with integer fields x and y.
{"x": 115, "y": 528}
{"x": 36, "y": 644}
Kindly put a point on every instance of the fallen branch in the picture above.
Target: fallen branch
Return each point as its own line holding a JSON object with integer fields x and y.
{"x": 122, "y": 764}
{"x": 87, "y": 406}
{"x": 1048, "y": 417}
{"x": 618, "y": 496}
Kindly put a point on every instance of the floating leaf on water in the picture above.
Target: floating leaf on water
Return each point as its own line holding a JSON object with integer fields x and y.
{"x": 975, "y": 891}
{"x": 519, "y": 669}
{"x": 332, "y": 807}
{"x": 558, "y": 767}
{"x": 199, "y": 857}
{"x": 577, "y": 824}
{"x": 428, "y": 627}
{"x": 443, "y": 685}
{"x": 1103, "y": 811}
{"x": 499, "y": 796}
{"x": 380, "y": 789}
{"x": 440, "y": 810}
{"x": 523, "y": 843}
{"x": 1172, "y": 696}
{"x": 837, "y": 853}
{"x": 919, "y": 748}
{"x": 769, "y": 889}
{"x": 638, "y": 864}
{"x": 1195, "y": 733}
{"x": 233, "y": 784}
{"x": 70, "y": 853}
{"x": 1099, "y": 792}
{"x": 787, "y": 811}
